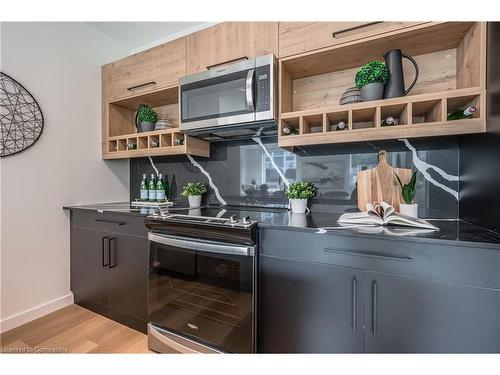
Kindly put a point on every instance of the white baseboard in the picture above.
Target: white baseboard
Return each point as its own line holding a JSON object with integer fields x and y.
{"x": 24, "y": 317}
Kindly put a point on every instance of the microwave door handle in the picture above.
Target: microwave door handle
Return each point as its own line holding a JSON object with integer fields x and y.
{"x": 249, "y": 90}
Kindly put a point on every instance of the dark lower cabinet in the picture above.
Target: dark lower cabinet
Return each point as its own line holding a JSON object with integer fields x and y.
{"x": 89, "y": 276}
{"x": 410, "y": 315}
{"x": 109, "y": 274}
{"x": 310, "y": 308}
{"x": 386, "y": 296}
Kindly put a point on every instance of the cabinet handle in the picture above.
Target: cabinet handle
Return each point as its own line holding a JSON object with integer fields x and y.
{"x": 105, "y": 251}
{"x": 141, "y": 85}
{"x": 104, "y": 221}
{"x": 112, "y": 252}
{"x": 227, "y": 62}
{"x": 354, "y": 302}
{"x": 374, "y": 308}
{"x": 336, "y": 33}
{"x": 369, "y": 254}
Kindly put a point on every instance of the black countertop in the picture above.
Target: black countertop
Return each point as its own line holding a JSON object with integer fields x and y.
{"x": 450, "y": 231}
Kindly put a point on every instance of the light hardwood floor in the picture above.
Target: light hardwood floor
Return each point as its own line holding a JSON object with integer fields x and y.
{"x": 73, "y": 329}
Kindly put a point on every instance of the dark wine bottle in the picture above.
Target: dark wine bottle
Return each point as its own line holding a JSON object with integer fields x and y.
{"x": 289, "y": 131}
{"x": 462, "y": 113}
{"x": 389, "y": 121}
{"x": 341, "y": 125}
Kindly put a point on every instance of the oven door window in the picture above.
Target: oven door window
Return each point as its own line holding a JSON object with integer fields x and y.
{"x": 217, "y": 97}
{"x": 204, "y": 296}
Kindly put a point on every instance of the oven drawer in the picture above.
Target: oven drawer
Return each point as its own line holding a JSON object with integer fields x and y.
{"x": 117, "y": 223}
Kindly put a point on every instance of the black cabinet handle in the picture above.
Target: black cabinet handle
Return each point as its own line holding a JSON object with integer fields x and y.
{"x": 242, "y": 58}
{"x": 369, "y": 254}
{"x": 112, "y": 252}
{"x": 105, "y": 251}
{"x": 374, "y": 308}
{"x": 354, "y": 303}
{"x": 104, "y": 221}
{"x": 141, "y": 85}
{"x": 336, "y": 33}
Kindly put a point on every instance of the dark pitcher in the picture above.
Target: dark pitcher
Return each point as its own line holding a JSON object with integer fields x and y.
{"x": 395, "y": 87}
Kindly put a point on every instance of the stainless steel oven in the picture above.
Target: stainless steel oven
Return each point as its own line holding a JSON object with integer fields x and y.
{"x": 229, "y": 96}
{"x": 201, "y": 294}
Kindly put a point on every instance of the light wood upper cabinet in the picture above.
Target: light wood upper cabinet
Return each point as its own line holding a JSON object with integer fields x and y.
{"x": 145, "y": 71}
{"x": 230, "y": 41}
{"x": 299, "y": 37}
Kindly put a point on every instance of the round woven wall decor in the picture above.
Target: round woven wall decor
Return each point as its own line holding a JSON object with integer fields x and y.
{"x": 21, "y": 119}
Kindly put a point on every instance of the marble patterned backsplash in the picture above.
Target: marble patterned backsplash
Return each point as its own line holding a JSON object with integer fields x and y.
{"x": 256, "y": 172}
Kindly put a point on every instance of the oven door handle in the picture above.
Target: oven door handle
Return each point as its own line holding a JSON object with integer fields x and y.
{"x": 209, "y": 247}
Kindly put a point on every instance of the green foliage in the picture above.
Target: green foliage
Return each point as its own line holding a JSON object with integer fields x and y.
{"x": 146, "y": 114}
{"x": 193, "y": 188}
{"x": 374, "y": 71}
{"x": 408, "y": 190}
{"x": 301, "y": 190}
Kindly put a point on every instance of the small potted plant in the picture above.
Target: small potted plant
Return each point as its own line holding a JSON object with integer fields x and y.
{"x": 194, "y": 191}
{"x": 298, "y": 193}
{"x": 370, "y": 79}
{"x": 409, "y": 208}
{"x": 145, "y": 119}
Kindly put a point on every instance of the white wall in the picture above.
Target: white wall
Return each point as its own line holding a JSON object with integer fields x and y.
{"x": 59, "y": 63}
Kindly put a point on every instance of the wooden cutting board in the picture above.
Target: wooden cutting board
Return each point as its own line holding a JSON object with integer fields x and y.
{"x": 379, "y": 184}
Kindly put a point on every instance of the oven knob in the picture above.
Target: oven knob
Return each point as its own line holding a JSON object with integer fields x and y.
{"x": 245, "y": 220}
{"x": 233, "y": 219}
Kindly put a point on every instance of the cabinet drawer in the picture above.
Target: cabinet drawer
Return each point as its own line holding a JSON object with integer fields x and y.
{"x": 461, "y": 264}
{"x": 107, "y": 222}
{"x": 298, "y": 37}
{"x": 230, "y": 41}
{"x": 145, "y": 71}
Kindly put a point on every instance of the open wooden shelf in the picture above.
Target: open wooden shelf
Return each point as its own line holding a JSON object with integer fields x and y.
{"x": 452, "y": 60}
{"x": 120, "y": 131}
{"x": 422, "y": 115}
{"x": 155, "y": 143}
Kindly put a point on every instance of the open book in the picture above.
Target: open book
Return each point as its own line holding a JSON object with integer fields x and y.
{"x": 382, "y": 214}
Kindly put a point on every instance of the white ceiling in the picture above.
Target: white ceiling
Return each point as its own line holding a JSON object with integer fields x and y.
{"x": 137, "y": 36}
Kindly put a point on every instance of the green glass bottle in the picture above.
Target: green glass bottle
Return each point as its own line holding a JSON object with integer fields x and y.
{"x": 152, "y": 188}
{"x": 160, "y": 189}
{"x": 462, "y": 114}
{"x": 144, "y": 188}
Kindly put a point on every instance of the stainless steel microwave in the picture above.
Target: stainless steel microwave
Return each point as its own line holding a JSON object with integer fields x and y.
{"x": 240, "y": 94}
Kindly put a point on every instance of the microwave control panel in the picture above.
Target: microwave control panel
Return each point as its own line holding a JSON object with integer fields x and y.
{"x": 263, "y": 83}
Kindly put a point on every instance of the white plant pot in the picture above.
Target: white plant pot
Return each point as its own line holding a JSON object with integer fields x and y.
{"x": 409, "y": 209}
{"x": 194, "y": 200}
{"x": 298, "y": 205}
{"x": 297, "y": 220}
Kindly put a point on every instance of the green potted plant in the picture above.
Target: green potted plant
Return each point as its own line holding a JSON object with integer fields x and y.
{"x": 145, "y": 119}
{"x": 370, "y": 79}
{"x": 298, "y": 193}
{"x": 409, "y": 208}
{"x": 193, "y": 191}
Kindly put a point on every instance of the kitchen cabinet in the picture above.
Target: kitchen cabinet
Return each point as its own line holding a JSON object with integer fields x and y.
{"x": 408, "y": 315}
{"x": 310, "y": 308}
{"x": 89, "y": 276}
{"x": 230, "y": 41}
{"x": 109, "y": 268}
{"x": 436, "y": 298}
{"x": 299, "y": 37}
{"x": 146, "y": 71}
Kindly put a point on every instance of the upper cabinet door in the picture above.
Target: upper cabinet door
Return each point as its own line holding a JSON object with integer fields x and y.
{"x": 230, "y": 41}
{"x": 299, "y": 37}
{"x": 145, "y": 71}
